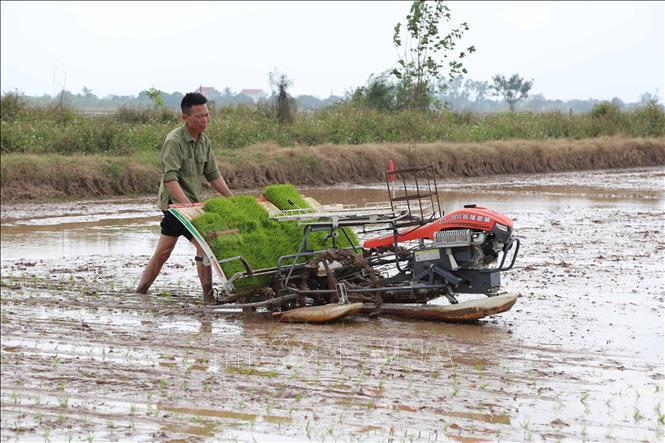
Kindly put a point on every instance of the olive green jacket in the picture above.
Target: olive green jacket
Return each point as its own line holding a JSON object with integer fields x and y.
{"x": 186, "y": 161}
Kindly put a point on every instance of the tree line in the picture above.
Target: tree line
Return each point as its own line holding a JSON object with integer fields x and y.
{"x": 429, "y": 75}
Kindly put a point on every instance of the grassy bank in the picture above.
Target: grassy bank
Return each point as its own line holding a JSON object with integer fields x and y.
{"x": 130, "y": 131}
{"x": 32, "y": 176}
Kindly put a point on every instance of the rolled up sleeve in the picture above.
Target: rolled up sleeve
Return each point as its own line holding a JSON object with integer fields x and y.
{"x": 171, "y": 161}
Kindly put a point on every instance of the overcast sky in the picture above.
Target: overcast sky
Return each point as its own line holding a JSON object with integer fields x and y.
{"x": 570, "y": 49}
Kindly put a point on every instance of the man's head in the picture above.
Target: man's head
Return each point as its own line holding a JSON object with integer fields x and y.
{"x": 195, "y": 112}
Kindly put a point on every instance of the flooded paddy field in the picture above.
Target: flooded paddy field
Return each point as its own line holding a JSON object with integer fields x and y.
{"x": 579, "y": 357}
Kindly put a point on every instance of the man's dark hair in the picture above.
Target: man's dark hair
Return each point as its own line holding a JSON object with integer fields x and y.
{"x": 192, "y": 99}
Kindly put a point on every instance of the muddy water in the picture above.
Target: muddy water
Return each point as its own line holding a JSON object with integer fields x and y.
{"x": 580, "y": 357}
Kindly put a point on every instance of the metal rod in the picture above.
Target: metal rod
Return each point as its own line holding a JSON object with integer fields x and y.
{"x": 406, "y": 194}
{"x": 420, "y": 201}
{"x": 349, "y": 239}
{"x": 365, "y": 290}
{"x": 275, "y": 300}
{"x": 436, "y": 191}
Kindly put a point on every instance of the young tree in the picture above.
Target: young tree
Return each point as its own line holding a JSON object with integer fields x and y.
{"x": 156, "y": 97}
{"x": 283, "y": 102}
{"x": 424, "y": 52}
{"x": 379, "y": 93}
{"x": 512, "y": 90}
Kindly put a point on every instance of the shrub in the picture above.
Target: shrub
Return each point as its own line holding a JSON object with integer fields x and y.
{"x": 604, "y": 110}
{"x": 651, "y": 119}
{"x": 145, "y": 115}
{"x": 11, "y": 105}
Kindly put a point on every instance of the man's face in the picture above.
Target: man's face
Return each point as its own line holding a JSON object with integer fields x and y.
{"x": 197, "y": 119}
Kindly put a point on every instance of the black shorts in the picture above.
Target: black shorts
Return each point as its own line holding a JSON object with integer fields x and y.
{"x": 172, "y": 227}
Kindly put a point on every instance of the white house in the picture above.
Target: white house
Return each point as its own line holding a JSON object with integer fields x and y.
{"x": 254, "y": 94}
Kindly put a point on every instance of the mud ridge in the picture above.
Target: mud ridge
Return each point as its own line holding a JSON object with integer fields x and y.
{"x": 27, "y": 177}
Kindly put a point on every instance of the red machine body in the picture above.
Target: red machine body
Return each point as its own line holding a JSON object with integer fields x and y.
{"x": 474, "y": 217}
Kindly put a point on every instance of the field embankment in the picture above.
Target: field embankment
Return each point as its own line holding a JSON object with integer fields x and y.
{"x": 39, "y": 176}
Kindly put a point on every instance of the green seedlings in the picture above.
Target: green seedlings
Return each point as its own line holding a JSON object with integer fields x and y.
{"x": 527, "y": 433}
{"x": 63, "y": 401}
{"x": 110, "y": 424}
{"x": 132, "y": 408}
{"x": 16, "y": 399}
{"x": 86, "y": 420}
{"x": 61, "y": 419}
{"x": 46, "y": 433}
{"x": 91, "y": 437}
{"x": 456, "y": 381}
{"x": 371, "y": 404}
{"x": 637, "y": 416}
{"x": 608, "y": 403}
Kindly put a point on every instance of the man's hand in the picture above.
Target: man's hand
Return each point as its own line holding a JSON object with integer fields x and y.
{"x": 220, "y": 186}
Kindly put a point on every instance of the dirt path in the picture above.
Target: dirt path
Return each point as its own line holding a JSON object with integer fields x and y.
{"x": 579, "y": 357}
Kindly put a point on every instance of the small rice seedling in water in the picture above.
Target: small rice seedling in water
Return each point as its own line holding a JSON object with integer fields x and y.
{"x": 637, "y": 416}
{"x": 63, "y": 401}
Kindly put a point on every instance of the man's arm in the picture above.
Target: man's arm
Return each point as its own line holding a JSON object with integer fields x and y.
{"x": 220, "y": 186}
{"x": 212, "y": 174}
{"x": 176, "y": 191}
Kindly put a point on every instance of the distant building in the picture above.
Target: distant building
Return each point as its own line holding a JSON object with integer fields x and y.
{"x": 205, "y": 90}
{"x": 254, "y": 94}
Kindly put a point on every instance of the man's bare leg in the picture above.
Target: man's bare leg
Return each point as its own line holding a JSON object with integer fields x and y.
{"x": 205, "y": 275}
{"x": 163, "y": 251}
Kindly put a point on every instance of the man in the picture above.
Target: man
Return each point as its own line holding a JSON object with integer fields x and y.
{"x": 186, "y": 158}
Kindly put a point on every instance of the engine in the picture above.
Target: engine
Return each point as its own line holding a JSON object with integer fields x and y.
{"x": 466, "y": 243}
{"x": 484, "y": 231}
